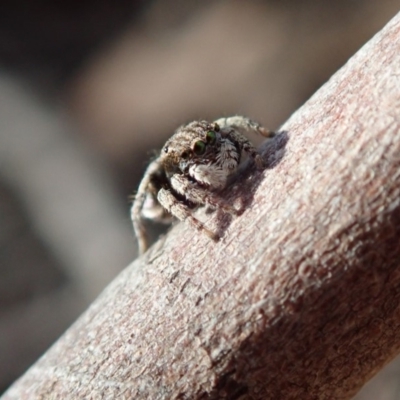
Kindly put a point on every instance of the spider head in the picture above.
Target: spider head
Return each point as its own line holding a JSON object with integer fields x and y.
{"x": 197, "y": 143}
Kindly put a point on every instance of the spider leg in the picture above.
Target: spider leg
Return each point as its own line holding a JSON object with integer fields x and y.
{"x": 236, "y": 126}
{"x": 148, "y": 183}
{"x": 179, "y": 210}
{"x": 199, "y": 195}
{"x": 140, "y": 232}
{"x": 244, "y": 124}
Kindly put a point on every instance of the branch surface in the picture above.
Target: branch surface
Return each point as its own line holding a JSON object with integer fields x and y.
{"x": 299, "y": 300}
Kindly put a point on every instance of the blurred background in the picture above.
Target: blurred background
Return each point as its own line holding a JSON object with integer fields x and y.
{"x": 89, "y": 89}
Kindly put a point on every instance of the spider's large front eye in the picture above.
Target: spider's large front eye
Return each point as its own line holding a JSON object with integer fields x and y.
{"x": 185, "y": 155}
{"x": 199, "y": 147}
{"x": 211, "y": 137}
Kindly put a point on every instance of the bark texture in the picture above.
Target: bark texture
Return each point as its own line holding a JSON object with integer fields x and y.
{"x": 299, "y": 300}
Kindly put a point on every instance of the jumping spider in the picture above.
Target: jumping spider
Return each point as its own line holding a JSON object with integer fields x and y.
{"x": 193, "y": 166}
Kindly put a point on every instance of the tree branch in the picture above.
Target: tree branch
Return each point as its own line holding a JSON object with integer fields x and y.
{"x": 300, "y": 300}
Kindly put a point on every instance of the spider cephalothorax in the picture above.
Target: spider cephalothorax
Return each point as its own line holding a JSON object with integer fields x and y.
{"x": 194, "y": 164}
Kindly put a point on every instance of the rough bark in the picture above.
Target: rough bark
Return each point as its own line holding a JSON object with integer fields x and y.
{"x": 301, "y": 298}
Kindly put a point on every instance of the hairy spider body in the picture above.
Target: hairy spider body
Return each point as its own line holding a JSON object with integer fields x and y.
{"x": 193, "y": 166}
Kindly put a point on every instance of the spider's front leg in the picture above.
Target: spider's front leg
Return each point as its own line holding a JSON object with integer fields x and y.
{"x": 201, "y": 195}
{"x": 181, "y": 211}
{"x": 237, "y": 126}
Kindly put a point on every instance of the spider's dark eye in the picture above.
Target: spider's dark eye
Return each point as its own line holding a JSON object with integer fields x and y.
{"x": 199, "y": 147}
{"x": 216, "y": 127}
{"x": 211, "y": 137}
{"x": 165, "y": 149}
{"x": 185, "y": 155}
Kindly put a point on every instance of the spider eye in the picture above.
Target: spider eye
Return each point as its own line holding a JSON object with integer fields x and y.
{"x": 216, "y": 127}
{"x": 185, "y": 155}
{"x": 199, "y": 147}
{"x": 211, "y": 137}
{"x": 166, "y": 149}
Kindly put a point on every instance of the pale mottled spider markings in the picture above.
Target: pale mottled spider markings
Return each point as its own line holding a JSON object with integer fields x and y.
{"x": 193, "y": 166}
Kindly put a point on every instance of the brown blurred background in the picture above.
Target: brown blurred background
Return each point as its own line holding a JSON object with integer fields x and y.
{"x": 89, "y": 89}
